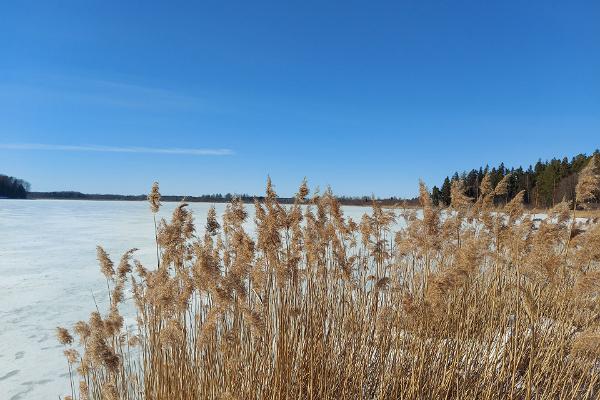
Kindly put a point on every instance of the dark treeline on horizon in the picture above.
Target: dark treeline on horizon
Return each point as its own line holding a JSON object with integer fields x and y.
{"x": 545, "y": 183}
{"x": 209, "y": 198}
{"x": 13, "y": 188}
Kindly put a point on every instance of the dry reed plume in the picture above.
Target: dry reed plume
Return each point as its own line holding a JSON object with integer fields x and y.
{"x": 473, "y": 302}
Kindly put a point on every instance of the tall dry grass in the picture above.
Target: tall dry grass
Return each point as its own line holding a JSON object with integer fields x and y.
{"x": 471, "y": 302}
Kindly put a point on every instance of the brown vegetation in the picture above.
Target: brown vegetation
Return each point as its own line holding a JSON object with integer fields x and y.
{"x": 472, "y": 302}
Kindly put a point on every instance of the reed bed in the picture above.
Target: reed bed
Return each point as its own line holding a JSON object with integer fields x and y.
{"x": 477, "y": 301}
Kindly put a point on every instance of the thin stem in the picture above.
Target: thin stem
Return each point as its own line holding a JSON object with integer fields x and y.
{"x": 156, "y": 241}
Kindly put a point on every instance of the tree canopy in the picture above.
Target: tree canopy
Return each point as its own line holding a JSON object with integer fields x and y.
{"x": 545, "y": 183}
{"x": 13, "y": 188}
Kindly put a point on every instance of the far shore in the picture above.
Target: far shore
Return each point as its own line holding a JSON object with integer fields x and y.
{"x": 347, "y": 201}
{"x": 360, "y": 202}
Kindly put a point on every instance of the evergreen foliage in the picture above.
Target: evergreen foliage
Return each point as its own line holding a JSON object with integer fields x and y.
{"x": 13, "y": 188}
{"x": 545, "y": 183}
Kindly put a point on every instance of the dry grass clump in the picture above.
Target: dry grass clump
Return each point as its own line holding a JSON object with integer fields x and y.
{"x": 470, "y": 302}
{"x": 588, "y": 185}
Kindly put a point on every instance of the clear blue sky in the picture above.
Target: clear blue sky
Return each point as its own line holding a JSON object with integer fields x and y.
{"x": 102, "y": 96}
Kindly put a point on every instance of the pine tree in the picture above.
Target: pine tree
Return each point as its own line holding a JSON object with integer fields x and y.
{"x": 435, "y": 196}
{"x": 445, "y": 192}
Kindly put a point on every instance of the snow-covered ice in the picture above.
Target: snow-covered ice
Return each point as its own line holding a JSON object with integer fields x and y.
{"x": 48, "y": 273}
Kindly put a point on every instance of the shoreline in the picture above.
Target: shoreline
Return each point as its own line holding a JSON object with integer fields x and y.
{"x": 386, "y": 203}
{"x": 363, "y": 201}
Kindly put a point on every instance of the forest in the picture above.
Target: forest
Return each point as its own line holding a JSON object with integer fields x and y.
{"x": 545, "y": 184}
{"x": 13, "y": 188}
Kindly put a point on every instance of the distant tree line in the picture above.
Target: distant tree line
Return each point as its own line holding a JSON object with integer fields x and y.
{"x": 71, "y": 195}
{"x": 212, "y": 198}
{"x": 387, "y": 201}
{"x": 545, "y": 183}
{"x": 13, "y": 188}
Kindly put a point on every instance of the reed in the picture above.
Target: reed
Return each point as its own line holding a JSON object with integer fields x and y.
{"x": 475, "y": 301}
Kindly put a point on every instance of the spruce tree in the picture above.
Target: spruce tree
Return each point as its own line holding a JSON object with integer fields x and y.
{"x": 445, "y": 192}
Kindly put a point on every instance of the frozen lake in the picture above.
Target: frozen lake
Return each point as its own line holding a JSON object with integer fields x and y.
{"x": 48, "y": 272}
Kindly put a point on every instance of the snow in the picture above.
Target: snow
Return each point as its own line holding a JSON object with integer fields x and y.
{"x": 49, "y": 277}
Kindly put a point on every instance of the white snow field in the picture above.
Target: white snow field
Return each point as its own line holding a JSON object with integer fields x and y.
{"x": 48, "y": 273}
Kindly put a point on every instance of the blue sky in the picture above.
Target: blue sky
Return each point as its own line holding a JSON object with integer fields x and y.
{"x": 103, "y": 96}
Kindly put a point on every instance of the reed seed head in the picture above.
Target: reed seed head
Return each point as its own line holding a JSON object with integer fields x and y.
{"x": 63, "y": 335}
{"x": 154, "y": 198}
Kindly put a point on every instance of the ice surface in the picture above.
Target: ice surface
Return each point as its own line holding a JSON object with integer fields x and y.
{"x": 48, "y": 273}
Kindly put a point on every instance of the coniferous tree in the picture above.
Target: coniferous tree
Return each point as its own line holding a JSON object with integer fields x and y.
{"x": 445, "y": 192}
{"x": 13, "y": 188}
{"x": 435, "y": 196}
